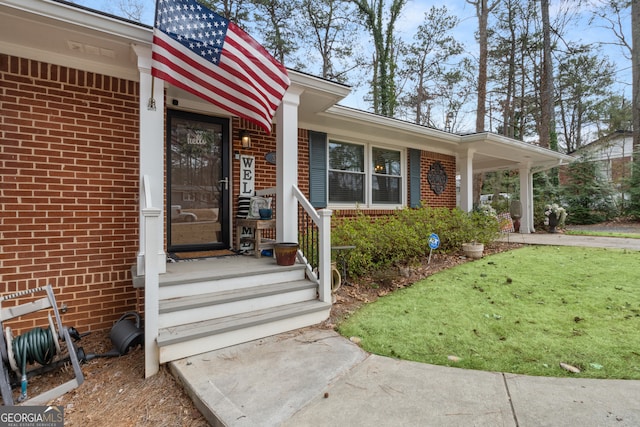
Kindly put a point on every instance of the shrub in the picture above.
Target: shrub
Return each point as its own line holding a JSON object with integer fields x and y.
{"x": 403, "y": 236}
{"x": 588, "y": 194}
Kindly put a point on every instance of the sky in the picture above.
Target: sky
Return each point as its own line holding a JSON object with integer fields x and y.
{"x": 413, "y": 15}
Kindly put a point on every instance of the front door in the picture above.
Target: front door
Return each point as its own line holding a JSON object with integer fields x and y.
{"x": 198, "y": 190}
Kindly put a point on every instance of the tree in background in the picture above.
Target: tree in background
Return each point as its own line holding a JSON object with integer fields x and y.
{"x": 547, "y": 131}
{"x": 633, "y": 207}
{"x": 613, "y": 13}
{"x": 381, "y": 25}
{"x": 328, "y": 27}
{"x": 584, "y": 81}
{"x": 588, "y": 195}
{"x": 425, "y": 62}
{"x": 635, "y": 64}
{"x": 483, "y": 9}
{"x": 274, "y": 19}
{"x": 615, "y": 115}
{"x": 234, "y": 10}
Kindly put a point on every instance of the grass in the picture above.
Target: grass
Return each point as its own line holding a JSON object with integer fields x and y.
{"x": 524, "y": 311}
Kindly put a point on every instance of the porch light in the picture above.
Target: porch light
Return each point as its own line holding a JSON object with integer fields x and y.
{"x": 245, "y": 139}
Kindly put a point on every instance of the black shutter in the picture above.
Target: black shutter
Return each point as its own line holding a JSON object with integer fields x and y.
{"x": 318, "y": 169}
{"x": 414, "y": 177}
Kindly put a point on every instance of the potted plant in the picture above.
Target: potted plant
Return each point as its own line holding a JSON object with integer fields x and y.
{"x": 483, "y": 227}
{"x": 286, "y": 253}
{"x": 473, "y": 250}
{"x": 555, "y": 216}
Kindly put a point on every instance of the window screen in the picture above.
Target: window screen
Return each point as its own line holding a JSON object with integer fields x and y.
{"x": 346, "y": 173}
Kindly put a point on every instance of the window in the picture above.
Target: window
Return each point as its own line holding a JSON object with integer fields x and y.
{"x": 346, "y": 173}
{"x": 364, "y": 174}
{"x": 386, "y": 178}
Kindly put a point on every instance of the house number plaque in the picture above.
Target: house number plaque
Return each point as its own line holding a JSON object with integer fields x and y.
{"x": 437, "y": 178}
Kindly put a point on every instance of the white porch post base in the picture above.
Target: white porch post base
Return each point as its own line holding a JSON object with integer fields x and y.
{"x": 324, "y": 259}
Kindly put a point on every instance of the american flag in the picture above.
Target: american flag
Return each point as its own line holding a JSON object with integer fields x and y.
{"x": 203, "y": 53}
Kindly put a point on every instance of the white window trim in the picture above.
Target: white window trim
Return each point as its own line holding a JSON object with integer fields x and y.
{"x": 368, "y": 174}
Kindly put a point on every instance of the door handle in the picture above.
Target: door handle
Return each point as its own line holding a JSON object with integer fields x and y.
{"x": 226, "y": 182}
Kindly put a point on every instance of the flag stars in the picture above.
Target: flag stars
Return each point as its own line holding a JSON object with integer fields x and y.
{"x": 194, "y": 26}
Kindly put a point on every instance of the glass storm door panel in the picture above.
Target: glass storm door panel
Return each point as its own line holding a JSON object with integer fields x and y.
{"x": 198, "y": 182}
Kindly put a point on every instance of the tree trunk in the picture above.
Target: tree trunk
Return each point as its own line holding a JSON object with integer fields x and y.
{"x": 482, "y": 12}
{"x": 546, "y": 84}
{"x": 635, "y": 63}
{"x": 483, "y": 18}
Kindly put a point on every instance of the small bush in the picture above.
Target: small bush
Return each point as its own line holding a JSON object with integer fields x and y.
{"x": 403, "y": 236}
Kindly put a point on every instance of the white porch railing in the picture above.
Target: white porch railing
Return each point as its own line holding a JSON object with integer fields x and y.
{"x": 151, "y": 226}
{"x": 316, "y": 254}
{"x": 322, "y": 220}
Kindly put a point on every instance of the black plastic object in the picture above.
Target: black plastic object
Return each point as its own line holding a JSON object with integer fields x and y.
{"x": 126, "y": 333}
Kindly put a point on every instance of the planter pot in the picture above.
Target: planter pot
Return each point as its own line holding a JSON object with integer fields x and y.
{"x": 553, "y": 222}
{"x": 473, "y": 250}
{"x": 285, "y": 253}
{"x": 265, "y": 213}
{"x": 515, "y": 210}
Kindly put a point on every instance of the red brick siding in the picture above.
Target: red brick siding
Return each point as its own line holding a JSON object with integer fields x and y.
{"x": 427, "y": 196}
{"x": 69, "y": 169}
{"x": 261, "y": 144}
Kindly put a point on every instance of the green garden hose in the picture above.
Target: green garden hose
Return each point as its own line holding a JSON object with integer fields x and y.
{"x": 37, "y": 345}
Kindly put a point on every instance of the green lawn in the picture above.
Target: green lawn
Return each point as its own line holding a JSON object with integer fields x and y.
{"x": 523, "y": 311}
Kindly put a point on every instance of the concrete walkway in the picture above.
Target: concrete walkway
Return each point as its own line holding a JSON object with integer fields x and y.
{"x": 561, "y": 239}
{"x": 315, "y": 377}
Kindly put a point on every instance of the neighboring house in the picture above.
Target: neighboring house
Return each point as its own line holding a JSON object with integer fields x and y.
{"x": 613, "y": 154}
{"x": 95, "y": 182}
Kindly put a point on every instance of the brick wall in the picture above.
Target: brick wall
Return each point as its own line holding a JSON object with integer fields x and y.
{"x": 261, "y": 145}
{"x": 69, "y": 168}
{"x": 427, "y": 196}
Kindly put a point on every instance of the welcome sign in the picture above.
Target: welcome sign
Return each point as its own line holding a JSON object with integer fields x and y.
{"x": 247, "y": 189}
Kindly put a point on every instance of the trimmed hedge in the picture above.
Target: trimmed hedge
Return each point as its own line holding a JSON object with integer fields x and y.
{"x": 403, "y": 236}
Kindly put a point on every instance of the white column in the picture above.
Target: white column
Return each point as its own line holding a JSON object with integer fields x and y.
{"x": 153, "y": 222}
{"x": 465, "y": 163}
{"x": 287, "y": 166}
{"x": 526, "y": 198}
{"x": 151, "y": 153}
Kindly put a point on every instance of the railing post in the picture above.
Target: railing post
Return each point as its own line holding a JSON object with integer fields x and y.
{"x": 151, "y": 288}
{"x": 324, "y": 255}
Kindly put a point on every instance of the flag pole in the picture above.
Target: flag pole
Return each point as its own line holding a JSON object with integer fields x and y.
{"x": 151, "y": 105}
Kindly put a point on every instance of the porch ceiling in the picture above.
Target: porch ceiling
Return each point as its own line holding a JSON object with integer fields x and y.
{"x": 493, "y": 152}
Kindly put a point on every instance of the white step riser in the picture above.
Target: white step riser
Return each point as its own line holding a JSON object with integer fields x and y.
{"x": 215, "y": 342}
{"x": 218, "y": 285}
{"x": 199, "y": 314}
